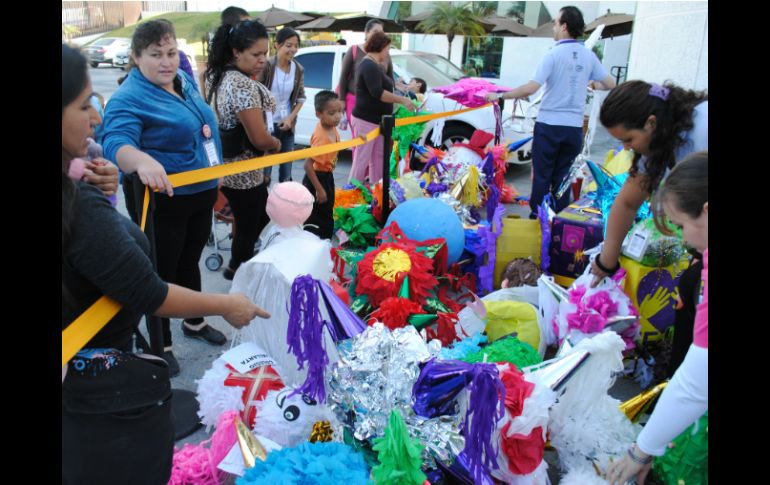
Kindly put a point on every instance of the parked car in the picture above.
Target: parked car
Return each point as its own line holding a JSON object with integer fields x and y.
{"x": 121, "y": 59}
{"x": 322, "y": 70}
{"x": 105, "y": 49}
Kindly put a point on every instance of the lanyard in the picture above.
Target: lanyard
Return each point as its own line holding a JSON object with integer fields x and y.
{"x": 205, "y": 129}
{"x": 197, "y": 113}
{"x": 208, "y": 144}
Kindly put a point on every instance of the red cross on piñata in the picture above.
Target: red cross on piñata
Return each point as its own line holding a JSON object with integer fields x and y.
{"x": 256, "y": 384}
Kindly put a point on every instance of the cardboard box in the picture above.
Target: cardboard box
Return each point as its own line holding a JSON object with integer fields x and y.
{"x": 574, "y": 230}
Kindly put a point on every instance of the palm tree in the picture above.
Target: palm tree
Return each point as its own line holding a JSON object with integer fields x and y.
{"x": 484, "y": 9}
{"x": 452, "y": 20}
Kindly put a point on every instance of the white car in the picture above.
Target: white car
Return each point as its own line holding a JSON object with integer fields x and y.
{"x": 121, "y": 59}
{"x": 104, "y": 49}
{"x": 322, "y": 71}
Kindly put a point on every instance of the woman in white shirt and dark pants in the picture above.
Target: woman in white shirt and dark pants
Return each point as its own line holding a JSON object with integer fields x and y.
{"x": 284, "y": 77}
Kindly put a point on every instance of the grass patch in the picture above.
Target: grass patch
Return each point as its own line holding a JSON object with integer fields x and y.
{"x": 190, "y": 26}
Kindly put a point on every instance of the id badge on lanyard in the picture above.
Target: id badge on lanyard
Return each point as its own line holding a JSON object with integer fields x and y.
{"x": 210, "y": 147}
{"x": 269, "y": 116}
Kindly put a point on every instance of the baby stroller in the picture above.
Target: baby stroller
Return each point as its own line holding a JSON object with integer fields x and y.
{"x": 222, "y": 215}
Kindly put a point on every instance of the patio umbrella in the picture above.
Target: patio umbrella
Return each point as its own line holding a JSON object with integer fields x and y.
{"x": 273, "y": 17}
{"x": 319, "y": 24}
{"x": 614, "y": 24}
{"x": 545, "y": 30}
{"x": 357, "y": 24}
{"x": 512, "y": 28}
{"x": 411, "y": 22}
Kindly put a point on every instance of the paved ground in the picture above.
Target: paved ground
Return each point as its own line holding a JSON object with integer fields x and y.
{"x": 195, "y": 357}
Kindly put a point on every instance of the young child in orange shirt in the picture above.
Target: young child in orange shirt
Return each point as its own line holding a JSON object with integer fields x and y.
{"x": 319, "y": 170}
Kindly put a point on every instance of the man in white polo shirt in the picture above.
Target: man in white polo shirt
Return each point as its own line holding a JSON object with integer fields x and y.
{"x": 565, "y": 71}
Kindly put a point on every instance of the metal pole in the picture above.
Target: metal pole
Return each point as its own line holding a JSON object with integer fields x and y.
{"x": 154, "y": 324}
{"x": 386, "y": 127}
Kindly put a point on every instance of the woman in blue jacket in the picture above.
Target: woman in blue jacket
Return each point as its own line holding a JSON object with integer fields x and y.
{"x": 158, "y": 124}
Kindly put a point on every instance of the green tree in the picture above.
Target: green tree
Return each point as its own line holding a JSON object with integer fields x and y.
{"x": 452, "y": 20}
{"x": 484, "y": 9}
{"x": 516, "y": 10}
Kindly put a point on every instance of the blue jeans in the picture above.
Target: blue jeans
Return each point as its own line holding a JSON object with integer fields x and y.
{"x": 554, "y": 148}
{"x": 287, "y": 145}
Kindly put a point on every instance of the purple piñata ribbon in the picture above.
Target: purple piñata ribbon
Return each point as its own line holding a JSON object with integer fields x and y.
{"x": 305, "y": 336}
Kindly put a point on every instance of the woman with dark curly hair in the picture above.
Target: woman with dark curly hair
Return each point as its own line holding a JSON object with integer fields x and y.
{"x": 242, "y": 105}
{"x": 662, "y": 125}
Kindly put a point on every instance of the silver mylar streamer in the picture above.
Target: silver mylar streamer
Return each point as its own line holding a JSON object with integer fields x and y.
{"x": 374, "y": 375}
{"x": 440, "y": 436}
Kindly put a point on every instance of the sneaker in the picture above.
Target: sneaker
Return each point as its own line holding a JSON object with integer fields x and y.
{"x": 207, "y": 333}
{"x": 173, "y": 365}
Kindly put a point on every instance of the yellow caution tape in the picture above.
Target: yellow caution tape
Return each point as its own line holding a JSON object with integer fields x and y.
{"x": 211, "y": 173}
{"x": 88, "y": 324}
{"x": 83, "y": 329}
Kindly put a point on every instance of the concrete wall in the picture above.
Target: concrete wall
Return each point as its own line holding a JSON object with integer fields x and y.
{"x": 670, "y": 42}
{"x": 616, "y": 52}
{"x": 521, "y": 55}
{"x": 131, "y": 12}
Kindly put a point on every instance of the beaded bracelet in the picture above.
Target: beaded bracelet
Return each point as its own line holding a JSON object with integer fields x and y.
{"x": 641, "y": 461}
{"x": 609, "y": 272}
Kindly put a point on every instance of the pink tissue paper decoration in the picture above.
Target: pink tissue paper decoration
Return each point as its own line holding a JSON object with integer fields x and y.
{"x": 289, "y": 204}
{"x": 592, "y": 312}
{"x": 588, "y": 311}
{"x": 470, "y": 92}
{"x": 197, "y": 464}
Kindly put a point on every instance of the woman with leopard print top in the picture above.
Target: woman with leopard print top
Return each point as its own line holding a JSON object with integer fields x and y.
{"x": 243, "y": 107}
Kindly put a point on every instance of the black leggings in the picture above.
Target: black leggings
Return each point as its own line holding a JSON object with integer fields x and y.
{"x": 182, "y": 227}
{"x": 249, "y": 212}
